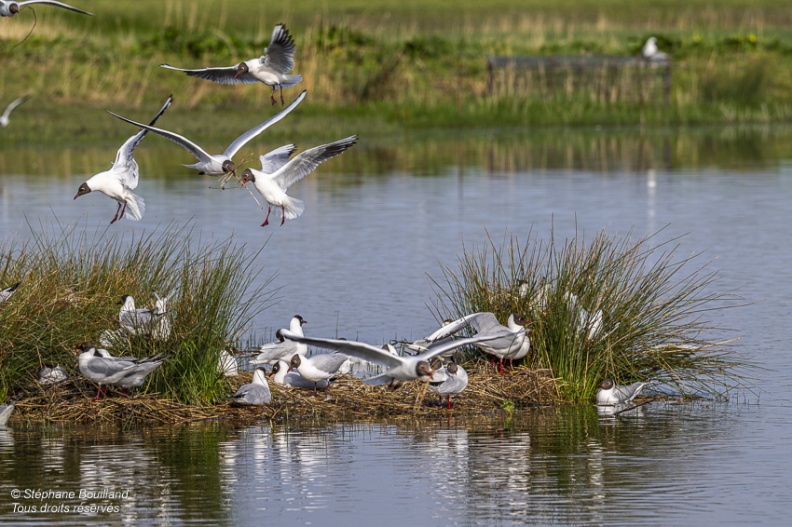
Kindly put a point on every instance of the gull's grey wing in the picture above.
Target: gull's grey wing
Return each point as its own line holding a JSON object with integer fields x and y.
{"x": 279, "y": 53}
{"x": 253, "y": 394}
{"x": 360, "y": 350}
{"x": 329, "y": 362}
{"x": 445, "y": 347}
{"x": 271, "y": 162}
{"x": 274, "y": 351}
{"x": 53, "y": 2}
{"x": 240, "y": 141}
{"x": 222, "y": 75}
{"x": 306, "y": 162}
{"x": 477, "y": 321}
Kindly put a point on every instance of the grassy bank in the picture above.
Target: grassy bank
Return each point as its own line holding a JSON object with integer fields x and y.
{"x": 385, "y": 67}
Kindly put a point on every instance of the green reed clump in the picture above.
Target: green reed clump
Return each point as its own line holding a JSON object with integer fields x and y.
{"x": 613, "y": 307}
{"x": 72, "y": 284}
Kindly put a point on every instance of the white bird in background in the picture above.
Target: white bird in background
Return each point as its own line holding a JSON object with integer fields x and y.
{"x": 256, "y": 393}
{"x": 97, "y": 365}
{"x": 317, "y": 368}
{"x": 651, "y": 53}
{"x": 280, "y": 374}
{"x": 161, "y": 329}
{"x": 273, "y": 185}
{"x": 271, "y": 68}
{"x": 12, "y": 8}
{"x": 609, "y": 393}
{"x": 9, "y": 108}
{"x": 5, "y": 412}
{"x": 134, "y": 320}
{"x": 283, "y": 349}
{"x": 48, "y": 376}
{"x": 454, "y": 381}
{"x": 406, "y": 368}
{"x": 227, "y": 364}
{"x": 217, "y": 164}
{"x": 6, "y": 293}
{"x": 122, "y": 178}
{"x": 502, "y": 341}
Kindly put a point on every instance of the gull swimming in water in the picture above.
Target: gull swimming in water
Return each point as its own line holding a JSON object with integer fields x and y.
{"x": 283, "y": 349}
{"x": 609, "y": 393}
{"x": 255, "y": 393}
{"x": 97, "y": 365}
{"x": 8, "y": 8}
{"x": 119, "y": 182}
{"x": 217, "y": 164}
{"x": 502, "y": 341}
{"x": 454, "y": 381}
{"x": 9, "y": 108}
{"x": 280, "y": 374}
{"x": 406, "y": 368}
{"x": 273, "y": 184}
{"x": 6, "y": 293}
{"x": 271, "y": 68}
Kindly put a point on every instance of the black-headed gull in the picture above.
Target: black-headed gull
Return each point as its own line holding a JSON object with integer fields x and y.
{"x": 651, "y": 53}
{"x": 255, "y": 393}
{"x": 136, "y": 320}
{"x": 503, "y": 341}
{"x": 5, "y": 412}
{"x": 405, "y": 368}
{"x": 454, "y": 381}
{"x": 217, "y": 164}
{"x": 48, "y": 376}
{"x": 271, "y": 68}
{"x": 122, "y": 178}
{"x": 272, "y": 180}
{"x": 283, "y": 349}
{"x": 609, "y": 393}
{"x": 317, "y": 368}
{"x": 12, "y": 8}
{"x": 97, "y": 365}
{"x": 6, "y": 293}
{"x": 10, "y": 108}
{"x": 280, "y": 374}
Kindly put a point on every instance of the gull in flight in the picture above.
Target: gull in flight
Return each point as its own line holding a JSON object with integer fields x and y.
{"x": 12, "y": 8}
{"x": 610, "y": 393}
{"x": 218, "y": 164}
{"x": 278, "y": 173}
{"x": 6, "y": 293}
{"x": 97, "y": 365}
{"x": 280, "y": 374}
{"x": 283, "y": 349}
{"x": 502, "y": 342}
{"x": 255, "y": 393}
{"x": 9, "y": 108}
{"x": 451, "y": 380}
{"x": 651, "y": 53}
{"x": 405, "y": 368}
{"x": 271, "y": 68}
{"x": 122, "y": 178}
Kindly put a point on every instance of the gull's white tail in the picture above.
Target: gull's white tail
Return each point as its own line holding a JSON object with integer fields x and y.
{"x": 135, "y": 207}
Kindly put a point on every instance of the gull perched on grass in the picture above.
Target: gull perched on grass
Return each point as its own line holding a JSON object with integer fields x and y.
{"x": 400, "y": 368}
{"x": 6, "y": 293}
{"x": 119, "y": 182}
{"x": 12, "y": 8}
{"x": 274, "y": 178}
{"x": 271, "y": 68}
{"x": 610, "y": 393}
{"x": 502, "y": 342}
{"x": 136, "y": 320}
{"x": 283, "y": 349}
{"x": 10, "y": 108}
{"x": 256, "y": 393}
{"x": 97, "y": 365}
{"x": 217, "y": 164}
{"x": 161, "y": 327}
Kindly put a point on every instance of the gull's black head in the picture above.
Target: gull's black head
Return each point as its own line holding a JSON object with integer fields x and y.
{"x": 241, "y": 70}
{"x": 83, "y": 190}
{"x": 607, "y": 384}
{"x": 247, "y": 175}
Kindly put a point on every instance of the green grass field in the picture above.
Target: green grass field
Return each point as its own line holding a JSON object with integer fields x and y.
{"x": 379, "y": 68}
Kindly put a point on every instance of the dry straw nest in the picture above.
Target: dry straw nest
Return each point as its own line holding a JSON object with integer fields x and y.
{"x": 487, "y": 392}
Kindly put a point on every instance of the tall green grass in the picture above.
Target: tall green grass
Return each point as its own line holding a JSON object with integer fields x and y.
{"x": 655, "y": 305}
{"x": 71, "y": 285}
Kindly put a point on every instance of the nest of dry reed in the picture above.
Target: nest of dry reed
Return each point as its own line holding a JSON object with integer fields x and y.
{"x": 350, "y": 398}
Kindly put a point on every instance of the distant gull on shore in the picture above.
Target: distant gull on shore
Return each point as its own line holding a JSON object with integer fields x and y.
{"x": 217, "y": 164}
{"x": 97, "y": 365}
{"x": 255, "y": 393}
{"x": 271, "y": 68}
{"x": 119, "y": 182}
{"x": 8, "y": 8}
{"x": 273, "y": 185}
